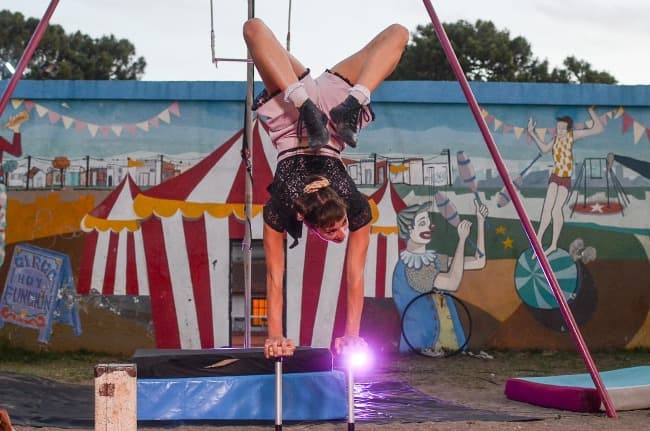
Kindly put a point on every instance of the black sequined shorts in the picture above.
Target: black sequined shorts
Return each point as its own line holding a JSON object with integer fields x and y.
{"x": 289, "y": 181}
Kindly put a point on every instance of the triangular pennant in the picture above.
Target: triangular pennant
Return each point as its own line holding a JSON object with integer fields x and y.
{"x": 29, "y": 104}
{"x": 54, "y": 117}
{"x": 41, "y": 110}
{"x": 507, "y": 128}
{"x": 117, "y": 130}
{"x": 131, "y": 129}
{"x": 153, "y": 122}
{"x": 627, "y": 122}
{"x": 489, "y": 119}
{"x": 518, "y": 132}
{"x": 105, "y": 131}
{"x": 497, "y": 124}
{"x": 647, "y": 133}
{"x": 484, "y": 112}
{"x": 604, "y": 119}
{"x": 542, "y": 133}
{"x": 164, "y": 116}
{"x": 92, "y": 128}
{"x": 610, "y": 114}
{"x": 173, "y": 108}
{"x": 639, "y": 130}
{"x": 16, "y": 103}
{"x": 143, "y": 126}
{"x": 79, "y": 125}
{"x": 67, "y": 121}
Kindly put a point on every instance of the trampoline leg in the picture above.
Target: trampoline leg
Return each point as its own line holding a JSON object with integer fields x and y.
{"x": 278, "y": 394}
{"x": 350, "y": 381}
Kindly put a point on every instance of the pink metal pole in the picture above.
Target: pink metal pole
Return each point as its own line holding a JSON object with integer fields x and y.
{"x": 27, "y": 55}
{"x": 525, "y": 220}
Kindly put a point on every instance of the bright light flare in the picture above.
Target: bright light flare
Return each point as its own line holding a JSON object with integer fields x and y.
{"x": 358, "y": 359}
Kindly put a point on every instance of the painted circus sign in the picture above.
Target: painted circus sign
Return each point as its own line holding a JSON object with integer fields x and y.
{"x": 38, "y": 291}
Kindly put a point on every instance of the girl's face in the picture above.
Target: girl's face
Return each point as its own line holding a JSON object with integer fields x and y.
{"x": 335, "y": 233}
{"x": 422, "y": 228}
{"x": 562, "y": 128}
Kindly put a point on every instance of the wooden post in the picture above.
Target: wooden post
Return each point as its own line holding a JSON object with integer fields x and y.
{"x": 116, "y": 397}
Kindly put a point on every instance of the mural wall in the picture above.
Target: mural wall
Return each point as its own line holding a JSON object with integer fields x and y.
{"x": 141, "y": 186}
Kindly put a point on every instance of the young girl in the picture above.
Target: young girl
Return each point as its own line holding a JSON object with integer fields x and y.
{"x": 310, "y": 122}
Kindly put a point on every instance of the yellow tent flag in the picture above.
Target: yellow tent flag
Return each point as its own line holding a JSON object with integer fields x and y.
{"x": 132, "y": 163}
{"x": 395, "y": 169}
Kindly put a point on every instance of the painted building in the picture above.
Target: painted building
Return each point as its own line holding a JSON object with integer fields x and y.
{"x": 164, "y": 252}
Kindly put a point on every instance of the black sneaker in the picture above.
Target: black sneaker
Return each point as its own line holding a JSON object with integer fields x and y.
{"x": 315, "y": 121}
{"x": 347, "y": 117}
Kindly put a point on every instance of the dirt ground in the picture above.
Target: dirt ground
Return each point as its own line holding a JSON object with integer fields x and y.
{"x": 478, "y": 383}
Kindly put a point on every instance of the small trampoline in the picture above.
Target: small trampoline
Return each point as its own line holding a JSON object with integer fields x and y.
{"x": 628, "y": 388}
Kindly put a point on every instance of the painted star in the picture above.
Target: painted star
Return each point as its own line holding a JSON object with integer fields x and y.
{"x": 501, "y": 230}
{"x": 508, "y": 242}
{"x": 597, "y": 208}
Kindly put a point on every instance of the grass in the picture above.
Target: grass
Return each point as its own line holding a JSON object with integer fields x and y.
{"x": 70, "y": 367}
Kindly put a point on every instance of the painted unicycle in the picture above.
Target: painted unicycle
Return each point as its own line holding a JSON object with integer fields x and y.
{"x": 532, "y": 286}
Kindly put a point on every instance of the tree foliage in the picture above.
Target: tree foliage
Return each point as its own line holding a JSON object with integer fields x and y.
{"x": 74, "y": 56}
{"x": 486, "y": 54}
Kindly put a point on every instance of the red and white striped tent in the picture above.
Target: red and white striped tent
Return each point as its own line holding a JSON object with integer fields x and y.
{"x": 113, "y": 262}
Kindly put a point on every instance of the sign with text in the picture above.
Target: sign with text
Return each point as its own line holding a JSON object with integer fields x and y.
{"x": 39, "y": 291}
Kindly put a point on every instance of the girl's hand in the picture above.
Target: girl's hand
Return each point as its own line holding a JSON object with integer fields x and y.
{"x": 275, "y": 347}
{"x": 349, "y": 343}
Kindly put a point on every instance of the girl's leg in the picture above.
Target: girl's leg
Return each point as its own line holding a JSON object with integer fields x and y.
{"x": 558, "y": 217}
{"x": 375, "y": 61}
{"x": 276, "y": 66}
{"x": 547, "y": 207}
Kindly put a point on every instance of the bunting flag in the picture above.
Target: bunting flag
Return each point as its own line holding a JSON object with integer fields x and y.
{"x": 103, "y": 130}
{"x": 629, "y": 123}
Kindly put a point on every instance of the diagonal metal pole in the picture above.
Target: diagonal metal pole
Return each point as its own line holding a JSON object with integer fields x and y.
{"x": 27, "y": 55}
{"x": 525, "y": 220}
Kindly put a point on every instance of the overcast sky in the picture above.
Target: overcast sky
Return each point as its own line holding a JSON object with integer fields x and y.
{"x": 174, "y": 36}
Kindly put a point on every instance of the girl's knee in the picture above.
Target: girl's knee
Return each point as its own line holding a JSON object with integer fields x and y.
{"x": 253, "y": 27}
{"x": 399, "y": 33}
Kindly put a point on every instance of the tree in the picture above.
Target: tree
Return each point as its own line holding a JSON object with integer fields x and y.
{"x": 59, "y": 55}
{"x": 486, "y": 54}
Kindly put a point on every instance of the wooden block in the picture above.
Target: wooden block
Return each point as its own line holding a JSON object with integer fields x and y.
{"x": 116, "y": 397}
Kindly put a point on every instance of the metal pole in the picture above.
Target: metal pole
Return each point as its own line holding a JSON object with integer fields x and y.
{"x": 525, "y": 220}
{"x": 27, "y": 55}
{"x": 278, "y": 393}
{"x": 350, "y": 379}
{"x": 248, "y": 136}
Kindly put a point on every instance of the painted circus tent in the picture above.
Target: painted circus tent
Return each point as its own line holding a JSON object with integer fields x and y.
{"x": 114, "y": 260}
{"x": 174, "y": 241}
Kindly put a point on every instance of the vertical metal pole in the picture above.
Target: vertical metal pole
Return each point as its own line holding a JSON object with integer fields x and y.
{"x": 27, "y": 55}
{"x": 525, "y": 220}
{"x": 350, "y": 378}
{"x": 278, "y": 393}
{"x": 248, "y": 135}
